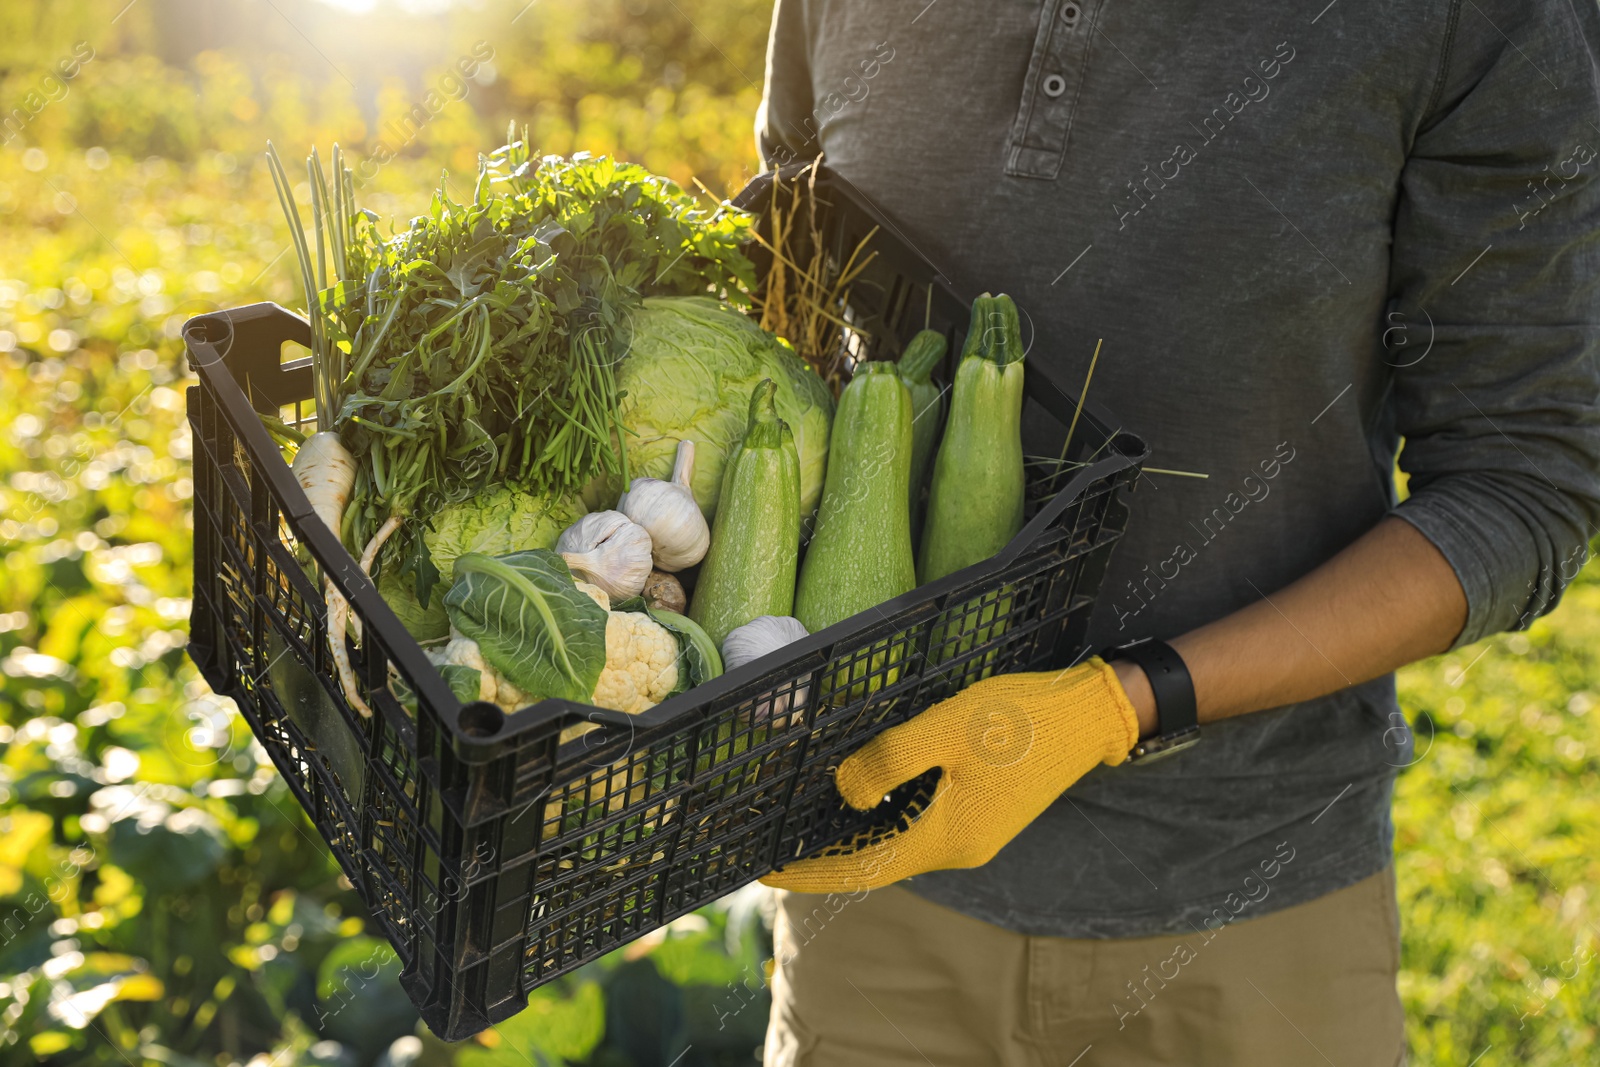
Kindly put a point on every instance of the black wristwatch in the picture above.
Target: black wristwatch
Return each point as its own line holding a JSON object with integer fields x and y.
{"x": 1177, "y": 723}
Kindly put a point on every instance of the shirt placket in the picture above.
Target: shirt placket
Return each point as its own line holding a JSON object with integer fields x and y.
{"x": 1050, "y": 91}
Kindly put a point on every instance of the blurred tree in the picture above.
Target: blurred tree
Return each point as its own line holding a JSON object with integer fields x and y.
{"x": 672, "y": 85}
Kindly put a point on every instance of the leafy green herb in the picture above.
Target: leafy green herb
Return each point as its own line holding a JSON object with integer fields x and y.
{"x": 479, "y": 345}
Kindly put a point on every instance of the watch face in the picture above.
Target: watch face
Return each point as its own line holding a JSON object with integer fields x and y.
{"x": 1161, "y": 746}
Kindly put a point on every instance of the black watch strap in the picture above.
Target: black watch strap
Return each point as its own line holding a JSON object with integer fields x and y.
{"x": 1177, "y": 718}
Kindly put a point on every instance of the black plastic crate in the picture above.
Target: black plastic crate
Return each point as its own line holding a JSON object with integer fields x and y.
{"x": 493, "y": 856}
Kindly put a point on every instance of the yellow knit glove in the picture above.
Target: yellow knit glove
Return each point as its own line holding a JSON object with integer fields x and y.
{"x": 1008, "y": 746}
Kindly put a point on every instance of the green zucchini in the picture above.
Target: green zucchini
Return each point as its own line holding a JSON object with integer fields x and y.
{"x": 917, "y": 364}
{"x": 976, "y": 494}
{"x": 975, "y": 497}
{"x": 749, "y": 570}
{"x": 860, "y": 554}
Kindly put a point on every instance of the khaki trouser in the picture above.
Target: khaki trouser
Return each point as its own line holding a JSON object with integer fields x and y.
{"x": 889, "y": 978}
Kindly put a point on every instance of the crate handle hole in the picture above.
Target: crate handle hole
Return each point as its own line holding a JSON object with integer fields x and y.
{"x": 481, "y": 719}
{"x": 1128, "y": 444}
{"x": 212, "y": 329}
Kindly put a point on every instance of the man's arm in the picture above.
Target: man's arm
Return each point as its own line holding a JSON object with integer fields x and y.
{"x": 1387, "y": 600}
{"x": 1497, "y": 251}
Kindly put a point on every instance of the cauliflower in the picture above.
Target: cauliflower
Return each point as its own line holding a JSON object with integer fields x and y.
{"x": 641, "y": 669}
{"x": 641, "y": 663}
{"x": 641, "y": 659}
{"x": 463, "y": 651}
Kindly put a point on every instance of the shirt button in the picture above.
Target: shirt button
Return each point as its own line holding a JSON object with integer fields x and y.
{"x": 1054, "y": 85}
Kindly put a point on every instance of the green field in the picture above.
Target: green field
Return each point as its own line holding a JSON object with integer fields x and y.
{"x": 162, "y": 899}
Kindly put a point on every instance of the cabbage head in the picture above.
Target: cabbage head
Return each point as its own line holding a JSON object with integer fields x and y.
{"x": 495, "y": 522}
{"x": 689, "y": 367}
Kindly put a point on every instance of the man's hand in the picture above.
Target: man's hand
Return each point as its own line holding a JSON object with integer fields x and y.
{"x": 1008, "y": 747}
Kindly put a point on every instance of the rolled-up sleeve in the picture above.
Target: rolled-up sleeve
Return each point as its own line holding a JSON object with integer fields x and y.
{"x": 786, "y": 127}
{"x": 1497, "y": 246}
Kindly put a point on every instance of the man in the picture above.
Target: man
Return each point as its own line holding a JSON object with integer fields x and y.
{"x": 1306, "y": 232}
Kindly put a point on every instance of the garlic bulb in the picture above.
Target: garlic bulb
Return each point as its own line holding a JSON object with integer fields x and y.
{"x": 663, "y": 591}
{"x": 679, "y": 535}
{"x": 755, "y": 639}
{"x": 608, "y": 550}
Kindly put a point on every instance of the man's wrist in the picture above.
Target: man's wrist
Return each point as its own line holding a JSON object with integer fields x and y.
{"x": 1140, "y": 695}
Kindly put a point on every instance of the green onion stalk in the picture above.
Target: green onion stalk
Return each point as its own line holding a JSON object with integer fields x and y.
{"x": 323, "y": 465}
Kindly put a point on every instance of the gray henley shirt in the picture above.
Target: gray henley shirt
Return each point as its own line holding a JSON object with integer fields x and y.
{"x": 1305, "y": 231}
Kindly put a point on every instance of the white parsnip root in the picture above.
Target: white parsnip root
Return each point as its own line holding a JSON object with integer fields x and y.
{"x": 369, "y": 556}
{"x": 338, "y": 618}
{"x": 327, "y": 472}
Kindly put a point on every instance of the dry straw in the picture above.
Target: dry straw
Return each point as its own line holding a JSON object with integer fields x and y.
{"x": 806, "y": 292}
